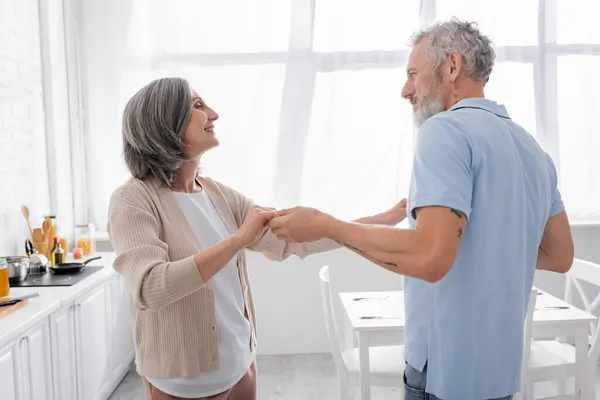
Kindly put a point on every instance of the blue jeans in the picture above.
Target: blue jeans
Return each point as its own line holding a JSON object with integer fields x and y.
{"x": 415, "y": 383}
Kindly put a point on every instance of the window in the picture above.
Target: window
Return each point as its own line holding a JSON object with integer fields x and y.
{"x": 544, "y": 75}
{"x": 309, "y": 96}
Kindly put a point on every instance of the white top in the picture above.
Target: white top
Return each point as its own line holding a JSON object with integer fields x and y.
{"x": 235, "y": 356}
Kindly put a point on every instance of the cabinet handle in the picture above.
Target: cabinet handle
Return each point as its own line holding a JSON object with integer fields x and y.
{"x": 24, "y": 338}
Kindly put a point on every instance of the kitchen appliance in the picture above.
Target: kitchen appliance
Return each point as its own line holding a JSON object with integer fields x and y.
{"x": 38, "y": 264}
{"x": 52, "y": 279}
{"x": 65, "y": 268}
{"x": 18, "y": 269}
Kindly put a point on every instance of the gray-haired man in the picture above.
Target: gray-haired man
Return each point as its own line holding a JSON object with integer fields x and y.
{"x": 485, "y": 211}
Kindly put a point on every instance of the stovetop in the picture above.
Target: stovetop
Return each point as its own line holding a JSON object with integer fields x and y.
{"x": 52, "y": 279}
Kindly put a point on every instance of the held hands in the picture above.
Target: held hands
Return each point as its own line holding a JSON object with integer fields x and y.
{"x": 304, "y": 224}
{"x": 300, "y": 224}
{"x": 254, "y": 224}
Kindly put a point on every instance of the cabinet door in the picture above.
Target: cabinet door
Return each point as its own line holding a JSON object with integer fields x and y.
{"x": 64, "y": 372}
{"x": 38, "y": 362}
{"x": 10, "y": 373}
{"x": 92, "y": 335}
{"x": 122, "y": 328}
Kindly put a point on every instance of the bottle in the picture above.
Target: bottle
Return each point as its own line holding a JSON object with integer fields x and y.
{"x": 58, "y": 254}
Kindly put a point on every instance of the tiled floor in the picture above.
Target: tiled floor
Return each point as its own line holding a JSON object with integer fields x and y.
{"x": 305, "y": 377}
{"x": 309, "y": 377}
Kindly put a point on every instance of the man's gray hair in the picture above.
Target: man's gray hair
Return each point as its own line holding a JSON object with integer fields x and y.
{"x": 477, "y": 50}
{"x": 154, "y": 121}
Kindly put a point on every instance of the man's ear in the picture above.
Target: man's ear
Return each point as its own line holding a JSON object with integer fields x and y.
{"x": 455, "y": 65}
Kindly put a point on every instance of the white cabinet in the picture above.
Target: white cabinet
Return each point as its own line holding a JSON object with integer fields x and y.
{"x": 121, "y": 345}
{"x": 92, "y": 336}
{"x": 64, "y": 370}
{"x": 80, "y": 352}
{"x": 36, "y": 361}
{"x": 92, "y": 343}
{"x": 10, "y": 373}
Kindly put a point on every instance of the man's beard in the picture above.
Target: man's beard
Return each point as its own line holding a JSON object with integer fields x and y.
{"x": 430, "y": 105}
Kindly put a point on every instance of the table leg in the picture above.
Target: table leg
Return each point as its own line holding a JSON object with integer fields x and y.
{"x": 350, "y": 336}
{"x": 582, "y": 390}
{"x": 363, "y": 355}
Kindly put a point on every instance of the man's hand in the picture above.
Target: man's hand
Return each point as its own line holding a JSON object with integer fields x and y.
{"x": 394, "y": 215}
{"x": 300, "y": 224}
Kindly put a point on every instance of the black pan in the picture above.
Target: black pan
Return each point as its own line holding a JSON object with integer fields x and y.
{"x": 67, "y": 268}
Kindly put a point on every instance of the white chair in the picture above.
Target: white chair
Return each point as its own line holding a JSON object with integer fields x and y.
{"x": 386, "y": 362}
{"x": 554, "y": 360}
{"x": 527, "y": 336}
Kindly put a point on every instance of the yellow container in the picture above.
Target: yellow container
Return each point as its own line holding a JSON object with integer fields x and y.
{"x": 86, "y": 238}
{"x": 86, "y": 245}
{"x": 4, "y": 285}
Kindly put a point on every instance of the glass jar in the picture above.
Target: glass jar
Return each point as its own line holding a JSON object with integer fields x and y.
{"x": 85, "y": 238}
{"x": 4, "y": 284}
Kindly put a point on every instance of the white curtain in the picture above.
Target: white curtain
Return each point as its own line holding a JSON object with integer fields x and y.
{"x": 309, "y": 90}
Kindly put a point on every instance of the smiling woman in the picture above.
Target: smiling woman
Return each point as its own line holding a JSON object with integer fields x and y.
{"x": 152, "y": 143}
{"x": 180, "y": 240}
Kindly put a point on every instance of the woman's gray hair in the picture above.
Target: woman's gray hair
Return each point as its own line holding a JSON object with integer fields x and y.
{"x": 154, "y": 121}
{"x": 477, "y": 50}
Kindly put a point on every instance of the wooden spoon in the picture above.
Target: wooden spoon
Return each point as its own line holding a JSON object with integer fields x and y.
{"x": 47, "y": 228}
{"x": 48, "y": 239}
{"x": 25, "y": 211}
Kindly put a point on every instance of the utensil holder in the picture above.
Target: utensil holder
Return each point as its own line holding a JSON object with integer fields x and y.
{"x": 43, "y": 248}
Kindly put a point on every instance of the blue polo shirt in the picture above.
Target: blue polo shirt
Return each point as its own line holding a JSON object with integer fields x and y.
{"x": 468, "y": 327}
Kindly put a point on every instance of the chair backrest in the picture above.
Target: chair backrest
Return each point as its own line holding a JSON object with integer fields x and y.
{"x": 335, "y": 338}
{"x": 585, "y": 271}
{"x": 527, "y": 337}
{"x": 528, "y": 331}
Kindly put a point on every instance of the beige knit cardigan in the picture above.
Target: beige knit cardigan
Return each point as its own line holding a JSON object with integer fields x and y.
{"x": 171, "y": 308}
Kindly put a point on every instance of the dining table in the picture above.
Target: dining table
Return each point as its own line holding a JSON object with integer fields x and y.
{"x": 371, "y": 313}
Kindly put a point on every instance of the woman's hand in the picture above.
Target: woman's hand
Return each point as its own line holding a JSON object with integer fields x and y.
{"x": 254, "y": 224}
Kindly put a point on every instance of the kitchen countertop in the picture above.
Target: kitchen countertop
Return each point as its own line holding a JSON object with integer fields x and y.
{"x": 50, "y": 299}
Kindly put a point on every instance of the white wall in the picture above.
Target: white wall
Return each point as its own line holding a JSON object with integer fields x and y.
{"x": 288, "y": 299}
{"x": 288, "y": 302}
{"x": 23, "y": 168}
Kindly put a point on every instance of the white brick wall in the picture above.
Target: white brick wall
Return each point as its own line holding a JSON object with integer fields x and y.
{"x": 23, "y": 167}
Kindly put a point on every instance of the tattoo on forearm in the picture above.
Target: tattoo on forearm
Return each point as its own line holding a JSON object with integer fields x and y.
{"x": 460, "y": 229}
{"x": 456, "y": 212}
{"x": 391, "y": 264}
